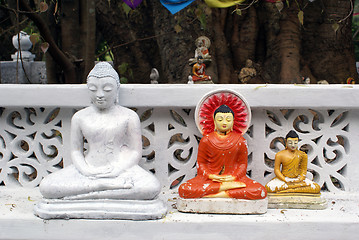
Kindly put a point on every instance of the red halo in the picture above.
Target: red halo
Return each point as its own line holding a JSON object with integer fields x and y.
{"x": 210, "y": 102}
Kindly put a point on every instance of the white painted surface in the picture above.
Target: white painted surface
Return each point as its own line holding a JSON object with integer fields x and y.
{"x": 183, "y": 95}
{"x": 222, "y": 205}
{"x": 329, "y": 133}
{"x": 307, "y": 106}
{"x": 339, "y": 221}
{"x": 100, "y": 209}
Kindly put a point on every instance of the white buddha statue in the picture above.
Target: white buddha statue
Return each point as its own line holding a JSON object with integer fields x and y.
{"x": 109, "y": 168}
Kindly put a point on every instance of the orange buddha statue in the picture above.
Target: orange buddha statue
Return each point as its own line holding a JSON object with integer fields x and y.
{"x": 222, "y": 152}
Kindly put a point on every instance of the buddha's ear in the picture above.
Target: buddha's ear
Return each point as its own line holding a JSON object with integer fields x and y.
{"x": 118, "y": 94}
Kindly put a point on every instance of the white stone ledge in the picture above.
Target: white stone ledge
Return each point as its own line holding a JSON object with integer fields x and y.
{"x": 339, "y": 221}
{"x": 183, "y": 95}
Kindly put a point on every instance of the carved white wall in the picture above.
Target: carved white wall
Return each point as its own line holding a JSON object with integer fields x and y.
{"x": 35, "y": 130}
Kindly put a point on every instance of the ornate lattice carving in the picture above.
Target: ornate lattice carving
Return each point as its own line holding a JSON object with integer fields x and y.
{"x": 170, "y": 135}
{"x": 35, "y": 142}
{"x": 31, "y": 144}
{"x": 323, "y": 136}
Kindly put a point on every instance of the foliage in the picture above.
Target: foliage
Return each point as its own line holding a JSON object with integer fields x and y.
{"x": 125, "y": 72}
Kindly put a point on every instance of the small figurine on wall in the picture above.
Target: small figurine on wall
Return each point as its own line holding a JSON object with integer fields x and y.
{"x": 105, "y": 181}
{"x": 202, "y": 45}
{"x": 199, "y": 74}
{"x": 290, "y": 169}
{"x": 247, "y": 73}
{"x": 222, "y": 117}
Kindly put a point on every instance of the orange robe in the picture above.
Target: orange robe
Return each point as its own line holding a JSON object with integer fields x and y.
{"x": 199, "y": 70}
{"x": 227, "y": 156}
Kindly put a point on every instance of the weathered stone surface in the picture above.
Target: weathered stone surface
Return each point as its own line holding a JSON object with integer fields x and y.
{"x": 35, "y": 72}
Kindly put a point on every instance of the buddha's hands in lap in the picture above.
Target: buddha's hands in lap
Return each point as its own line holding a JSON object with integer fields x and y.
{"x": 227, "y": 181}
{"x": 95, "y": 172}
{"x": 294, "y": 180}
{"x": 221, "y": 178}
{"x": 114, "y": 172}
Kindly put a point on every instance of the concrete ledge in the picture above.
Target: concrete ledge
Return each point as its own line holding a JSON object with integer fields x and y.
{"x": 177, "y": 95}
{"x": 339, "y": 221}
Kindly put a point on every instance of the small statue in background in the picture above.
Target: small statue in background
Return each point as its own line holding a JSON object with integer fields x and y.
{"x": 248, "y": 72}
{"x": 306, "y": 80}
{"x": 322, "y": 82}
{"x": 154, "y": 76}
{"x": 290, "y": 169}
{"x": 350, "y": 80}
{"x": 199, "y": 74}
{"x": 202, "y": 43}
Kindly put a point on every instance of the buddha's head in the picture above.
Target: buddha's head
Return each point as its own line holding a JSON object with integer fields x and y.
{"x": 292, "y": 140}
{"x": 223, "y": 119}
{"x": 103, "y": 84}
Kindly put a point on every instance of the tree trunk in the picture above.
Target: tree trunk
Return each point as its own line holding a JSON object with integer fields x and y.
{"x": 289, "y": 40}
{"x": 245, "y": 33}
{"x": 54, "y": 50}
{"x": 52, "y": 68}
{"x": 222, "y": 52}
{"x": 88, "y": 33}
{"x": 329, "y": 54}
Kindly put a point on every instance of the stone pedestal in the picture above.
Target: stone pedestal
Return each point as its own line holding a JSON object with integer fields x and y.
{"x": 300, "y": 201}
{"x": 222, "y": 205}
{"x": 100, "y": 209}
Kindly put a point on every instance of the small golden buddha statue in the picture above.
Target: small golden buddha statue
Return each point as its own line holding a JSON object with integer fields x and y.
{"x": 290, "y": 169}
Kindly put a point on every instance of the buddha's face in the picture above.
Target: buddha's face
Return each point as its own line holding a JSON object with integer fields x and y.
{"x": 223, "y": 122}
{"x": 103, "y": 91}
{"x": 292, "y": 143}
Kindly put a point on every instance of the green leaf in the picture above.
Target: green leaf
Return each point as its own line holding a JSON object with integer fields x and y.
{"x": 123, "y": 80}
{"x": 237, "y": 11}
{"x": 178, "y": 28}
{"x": 301, "y": 17}
{"x": 335, "y": 27}
{"x": 34, "y": 38}
{"x": 126, "y": 8}
{"x": 123, "y": 68}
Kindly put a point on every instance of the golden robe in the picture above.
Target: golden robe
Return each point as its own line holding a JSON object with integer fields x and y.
{"x": 294, "y": 168}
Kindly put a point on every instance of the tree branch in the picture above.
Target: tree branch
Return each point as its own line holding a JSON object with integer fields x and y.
{"x": 60, "y": 58}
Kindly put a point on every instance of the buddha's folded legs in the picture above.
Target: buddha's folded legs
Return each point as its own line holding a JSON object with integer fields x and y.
{"x": 135, "y": 183}
{"x": 251, "y": 192}
{"x": 196, "y": 188}
{"x": 306, "y": 186}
